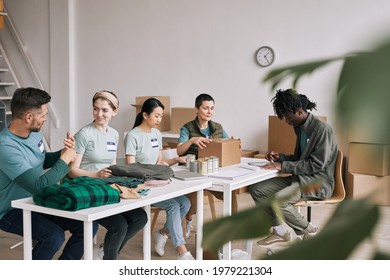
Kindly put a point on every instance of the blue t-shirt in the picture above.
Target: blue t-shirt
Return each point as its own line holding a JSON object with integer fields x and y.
{"x": 17, "y": 155}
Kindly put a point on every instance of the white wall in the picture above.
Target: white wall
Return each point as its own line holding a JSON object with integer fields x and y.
{"x": 181, "y": 48}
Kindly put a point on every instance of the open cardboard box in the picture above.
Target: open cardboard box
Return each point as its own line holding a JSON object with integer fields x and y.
{"x": 227, "y": 150}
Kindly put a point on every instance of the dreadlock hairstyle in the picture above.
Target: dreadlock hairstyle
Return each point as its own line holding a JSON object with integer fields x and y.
{"x": 289, "y": 101}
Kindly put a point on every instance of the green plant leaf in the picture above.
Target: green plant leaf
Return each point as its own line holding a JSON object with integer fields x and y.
{"x": 364, "y": 93}
{"x": 276, "y": 76}
{"x": 245, "y": 224}
{"x": 350, "y": 224}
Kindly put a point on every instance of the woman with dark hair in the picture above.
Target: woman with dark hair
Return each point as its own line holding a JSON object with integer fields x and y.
{"x": 143, "y": 144}
{"x": 96, "y": 147}
{"x": 195, "y": 135}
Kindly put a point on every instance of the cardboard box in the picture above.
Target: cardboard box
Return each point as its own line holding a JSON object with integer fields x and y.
{"x": 370, "y": 159}
{"x": 165, "y": 100}
{"x": 375, "y": 136}
{"x": 181, "y": 116}
{"x": 172, "y": 145}
{"x": 375, "y": 188}
{"x": 227, "y": 150}
{"x": 249, "y": 153}
{"x": 281, "y": 136}
{"x": 260, "y": 156}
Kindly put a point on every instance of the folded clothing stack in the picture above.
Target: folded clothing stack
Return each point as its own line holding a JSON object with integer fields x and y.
{"x": 78, "y": 193}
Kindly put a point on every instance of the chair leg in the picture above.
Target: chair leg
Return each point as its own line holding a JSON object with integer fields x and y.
{"x": 184, "y": 227}
{"x": 309, "y": 214}
{"x": 234, "y": 202}
{"x": 156, "y": 211}
{"x": 212, "y": 205}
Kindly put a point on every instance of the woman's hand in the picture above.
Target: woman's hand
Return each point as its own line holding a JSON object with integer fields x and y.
{"x": 201, "y": 142}
{"x": 182, "y": 159}
{"x": 104, "y": 173}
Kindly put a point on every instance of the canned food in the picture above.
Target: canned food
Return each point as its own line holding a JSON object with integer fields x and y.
{"x": 194, "y": 166}
{"x": 210, "y": 165}
{"x": 215, "y": 164}
{"x": 189, "y": 159}
{"x": 202, "y": 167}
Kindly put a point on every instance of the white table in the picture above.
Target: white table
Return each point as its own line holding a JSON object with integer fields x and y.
{"x": 174, "y": 189}
{"x": 169, "y": 138}
{"x": 228, "y": 186}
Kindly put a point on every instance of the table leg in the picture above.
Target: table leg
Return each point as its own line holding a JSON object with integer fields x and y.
{"x": 27, "y": 235}
{"x": 227, "y": 211}
{"x": 147, "y": 236}
{"x": 88, "y": 240}
{"x": 199, "y": 225}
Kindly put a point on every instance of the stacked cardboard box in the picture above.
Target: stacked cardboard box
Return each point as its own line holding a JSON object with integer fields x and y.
{"x": 368, "y": 168}
{"x": 249, "y": 153}
{"x": 180, "y": 116}
{"x": 281, "y": 136}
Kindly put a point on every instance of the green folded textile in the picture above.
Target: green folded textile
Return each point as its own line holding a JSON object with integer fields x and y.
{"x": 76, "y": 194}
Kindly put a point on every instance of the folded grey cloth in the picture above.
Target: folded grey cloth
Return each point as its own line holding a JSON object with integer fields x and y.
{"x": 143, "y": 171}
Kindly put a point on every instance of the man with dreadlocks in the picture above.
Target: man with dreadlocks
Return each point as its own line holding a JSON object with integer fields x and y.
{"x": 311, "y": 166}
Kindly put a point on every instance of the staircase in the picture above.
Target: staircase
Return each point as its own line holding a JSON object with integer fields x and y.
{"x": 8, "y": 84}
{"x": 9, "y": 81}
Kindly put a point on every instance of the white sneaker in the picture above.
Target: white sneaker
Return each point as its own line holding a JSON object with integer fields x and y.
{"x": 186, "y": 257}
{"x": 274, "y": 238}
{"x": 311, "y": 233}
{"x": 159, "y": 242}
{"x": 238, "y": 254}
{"x": 189, "y": 227}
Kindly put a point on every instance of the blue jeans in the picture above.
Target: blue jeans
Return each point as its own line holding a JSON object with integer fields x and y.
{"x": 120, "y": 228}
{"x": 49, "y": 233}
{"x": 176, "y": 209}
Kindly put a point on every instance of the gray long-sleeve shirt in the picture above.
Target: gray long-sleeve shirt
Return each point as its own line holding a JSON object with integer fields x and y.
{"x": 318, "y": 159}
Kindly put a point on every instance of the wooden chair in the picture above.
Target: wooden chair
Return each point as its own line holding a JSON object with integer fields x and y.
{"x": 338, "y": 193}
{"x": 171, "y": 153}
{"x": 155, "y": 211}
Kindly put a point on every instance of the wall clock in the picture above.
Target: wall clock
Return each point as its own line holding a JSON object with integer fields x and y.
{"x": 265, "y": 56}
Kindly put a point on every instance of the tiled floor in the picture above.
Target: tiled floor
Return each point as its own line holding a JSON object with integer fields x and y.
{"x": 133, "y": 250}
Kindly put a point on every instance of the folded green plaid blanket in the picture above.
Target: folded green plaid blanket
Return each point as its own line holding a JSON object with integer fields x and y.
{"x": 76, "y": 194}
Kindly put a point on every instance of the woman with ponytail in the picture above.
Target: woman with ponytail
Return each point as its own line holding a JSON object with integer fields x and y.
{"x": 143, "y": 144}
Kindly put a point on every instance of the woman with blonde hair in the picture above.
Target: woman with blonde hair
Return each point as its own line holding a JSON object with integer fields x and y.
{"x": 96, "y": 147}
